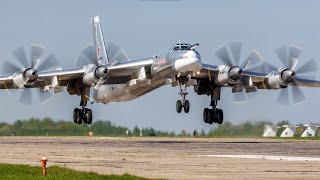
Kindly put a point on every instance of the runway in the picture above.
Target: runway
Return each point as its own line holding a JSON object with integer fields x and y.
{"x": 171, "y": 158}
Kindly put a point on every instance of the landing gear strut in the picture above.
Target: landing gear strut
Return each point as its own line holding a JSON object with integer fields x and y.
{"x": 213, "y": 115}
{"x": 183, "y": 103}
{"x": 83, "y": 114}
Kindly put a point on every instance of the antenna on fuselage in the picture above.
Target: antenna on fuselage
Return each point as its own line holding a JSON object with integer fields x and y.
{"x": 194, "y": 46}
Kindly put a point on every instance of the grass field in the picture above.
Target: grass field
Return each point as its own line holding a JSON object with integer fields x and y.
{"x": 11, "y": 171}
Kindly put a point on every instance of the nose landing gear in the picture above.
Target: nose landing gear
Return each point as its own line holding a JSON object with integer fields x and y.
{"x": 183, "y": 103}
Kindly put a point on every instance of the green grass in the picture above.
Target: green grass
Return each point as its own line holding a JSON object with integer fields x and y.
{"x": 11, "y": 171}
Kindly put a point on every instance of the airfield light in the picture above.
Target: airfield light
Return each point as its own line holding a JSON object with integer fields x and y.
{"x": 44, "y": 164}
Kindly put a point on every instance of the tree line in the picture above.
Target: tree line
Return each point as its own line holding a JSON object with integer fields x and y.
{"x": 48, "y": 127}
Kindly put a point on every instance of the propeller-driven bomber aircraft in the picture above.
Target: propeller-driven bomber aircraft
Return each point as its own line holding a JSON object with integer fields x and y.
{"x": 104, "y": 75}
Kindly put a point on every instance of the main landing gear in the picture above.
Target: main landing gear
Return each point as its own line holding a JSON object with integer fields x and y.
{"x": 183, "y": 103}
{"x": 213, "y": 115}
{"x": 82, "y": 115}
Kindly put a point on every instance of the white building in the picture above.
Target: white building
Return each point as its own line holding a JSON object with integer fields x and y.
{"x": 269, "y": 131}
{"x": 310, "y": 131}
{"x": 289, "y": 131}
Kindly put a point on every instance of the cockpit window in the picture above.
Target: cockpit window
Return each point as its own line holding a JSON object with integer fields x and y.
{"x": 182, "y": 47}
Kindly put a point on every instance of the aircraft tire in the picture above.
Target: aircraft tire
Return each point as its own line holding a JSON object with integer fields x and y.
{"x": 85, "y": 116}
{"x": 186, "y": 106}
{"x": 179, "y": 106}
{"x": 220, "y": 116}
{"x": 211, "y": 116}
{"x": 79, "y": 116}
{"x": 75, "y": 115}
{"x": 89, "y": 116}
{"x": 205, "y": 115}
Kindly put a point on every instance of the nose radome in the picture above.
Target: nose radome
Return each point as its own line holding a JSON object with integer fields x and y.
{"x": 192, "y": 54}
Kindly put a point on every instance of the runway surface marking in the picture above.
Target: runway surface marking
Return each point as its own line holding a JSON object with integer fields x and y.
{"x": 279, "y": 158}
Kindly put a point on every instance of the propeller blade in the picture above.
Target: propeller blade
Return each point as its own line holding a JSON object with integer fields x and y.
{"x": 235, "y": 48}
{"x": 283, "y": 97}
{"x": 48, "y": 62}
{"x": 89, "y": 53}
{"x": 282, "y": 55}
{"x": 116, "y": 53}
{"x": 294, "y": 52}
{"x": 26, "y": 96}
{"x": 82, "y": 60}
{"x": 297, "y": 95}
{"x": 44, "y": 96}
{"x": 20, "y": 55}
{"x": 99, "y": 83}
{"x": 9, "y": 68}
{"x": 36, "y": 53}
{"x": 223, "y": 55}
{"x": 293, "y": 63}
{"x": 309, "y": 67}
{"x": 239, "y": 97}
{"x": 20, "y": 82}
{"x": 253, "y": 59}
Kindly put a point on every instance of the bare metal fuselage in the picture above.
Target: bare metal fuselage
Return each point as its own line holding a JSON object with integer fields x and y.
{"x": 165, "y": 65}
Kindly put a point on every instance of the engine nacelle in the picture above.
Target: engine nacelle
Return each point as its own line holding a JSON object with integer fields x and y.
{"x": 25, "y": 77}
{"x": 93, "y": 73}
{"x": 228, "y": 75}
{"x": 281, "y": 78}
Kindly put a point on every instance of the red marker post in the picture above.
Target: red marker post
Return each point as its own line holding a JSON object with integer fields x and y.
{"x": 43, "y": 164}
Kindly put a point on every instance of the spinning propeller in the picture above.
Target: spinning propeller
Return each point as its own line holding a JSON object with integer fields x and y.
{"x": 289, "y": 57}
{"x": 236, "y": 67}
{"x": 25, "y": 73}
{"x": 88, "y": 56}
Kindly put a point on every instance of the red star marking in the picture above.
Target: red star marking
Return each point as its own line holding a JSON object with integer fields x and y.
{"x": 98, "y": 50}
{"x": 162, "y": 61}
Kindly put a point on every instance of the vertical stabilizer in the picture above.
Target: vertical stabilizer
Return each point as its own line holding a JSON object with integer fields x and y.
{"x": 99, "y": 45}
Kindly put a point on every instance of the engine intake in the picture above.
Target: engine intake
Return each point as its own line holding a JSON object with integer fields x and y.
{"x": 229, "y": 75}
{"x": 281, "y": 78}
{"x": 93, "y": 73}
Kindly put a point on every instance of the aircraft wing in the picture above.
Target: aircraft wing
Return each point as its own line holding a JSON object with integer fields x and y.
{"x": 208, "y": 71}
{"x": 118, "y": 73}
{"x": 259, "y": 79}
{"x": 306, "y": 82}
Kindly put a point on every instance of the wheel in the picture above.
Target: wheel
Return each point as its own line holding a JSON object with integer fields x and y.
{"x": 89, "y": 116}
{"x": 205, "y": 115}
{"x": 79, "y": 116}
{"x": 178, "y": 106}
{"x": 186, "y": 106}
{"x": 220, "y": 116}
{"x": 75, "y": 115}
{"x": 84, "y": 117}
{"x": 211, "y": 116}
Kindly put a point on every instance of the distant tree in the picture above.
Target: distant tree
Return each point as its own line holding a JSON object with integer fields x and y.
{"x": 136, "y": 131}
{"x": 5, "y": 129}
{"x": 183, "y": 133}
{"x": 202, "y": 133}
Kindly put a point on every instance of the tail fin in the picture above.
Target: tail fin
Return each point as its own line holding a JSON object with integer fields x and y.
{"x": 99, "y": 45}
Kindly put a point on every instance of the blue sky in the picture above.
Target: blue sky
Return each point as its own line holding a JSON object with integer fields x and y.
{"x": 143, "y": 28}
